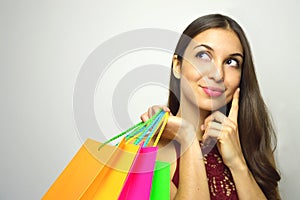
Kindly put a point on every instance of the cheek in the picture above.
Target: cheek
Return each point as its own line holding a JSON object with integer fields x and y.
{"x": 190, "y": 73}
{"x": 232, "y": 78}
{"x": 232, "y": 82}
{"x": 188, "y": 80}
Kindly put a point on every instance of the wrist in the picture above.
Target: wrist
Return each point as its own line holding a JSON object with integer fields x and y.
{"x": 186, "y": 136}
{"x": 239, "y": 167}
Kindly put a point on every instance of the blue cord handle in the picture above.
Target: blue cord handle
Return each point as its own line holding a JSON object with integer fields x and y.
{"x": 159, "y": 118}
{"x": 156, "y": 119}
{"x": 134, "y": 129}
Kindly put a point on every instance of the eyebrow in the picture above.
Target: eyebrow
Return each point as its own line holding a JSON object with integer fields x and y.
{"x": 208, "y": 47}
{"x": 204, "y": 45}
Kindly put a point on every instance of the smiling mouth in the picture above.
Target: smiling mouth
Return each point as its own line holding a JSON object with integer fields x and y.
{"x": 212, "y": 91}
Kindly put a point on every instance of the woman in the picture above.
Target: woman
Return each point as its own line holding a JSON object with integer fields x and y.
{"x": 215, "y": 98}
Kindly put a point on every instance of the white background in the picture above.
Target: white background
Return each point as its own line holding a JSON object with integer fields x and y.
{"x": 43, "y": 45}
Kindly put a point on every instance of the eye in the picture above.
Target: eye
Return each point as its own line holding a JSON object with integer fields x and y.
{"x": 232, "y": 62}
{"x": 203, "y": 56}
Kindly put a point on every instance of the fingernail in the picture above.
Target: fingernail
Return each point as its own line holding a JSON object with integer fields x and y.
{"x": 202, "y": 127}
{"x": 145, "y": 119}
{"x": 166, "y": 109}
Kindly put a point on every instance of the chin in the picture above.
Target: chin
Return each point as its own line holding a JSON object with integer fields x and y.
{"x": 212, "y": 106}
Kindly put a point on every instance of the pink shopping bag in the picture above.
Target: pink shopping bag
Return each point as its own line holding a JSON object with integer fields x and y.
{"x": 139, "y": 180}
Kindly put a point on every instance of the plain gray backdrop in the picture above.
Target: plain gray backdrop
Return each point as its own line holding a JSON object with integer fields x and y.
{"x": 43, "y": 45}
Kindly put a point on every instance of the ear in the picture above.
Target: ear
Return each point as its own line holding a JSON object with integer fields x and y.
{"x": 176, "y": 68}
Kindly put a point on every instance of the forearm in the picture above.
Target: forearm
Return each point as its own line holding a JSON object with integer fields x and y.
{"x": 193, "y": 180}
{"x": 247, "y": 187}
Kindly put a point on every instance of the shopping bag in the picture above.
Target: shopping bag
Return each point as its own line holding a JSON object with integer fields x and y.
{"x": 161, "y": 181}
{"x": 99, "y": 170}
{"x": 82, "y": 177}
{"x": 109, "y": 182}
{"x": 139, "y": 181}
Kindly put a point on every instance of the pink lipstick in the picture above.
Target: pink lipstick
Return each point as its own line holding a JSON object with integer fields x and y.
{"x": 213, "y": 92}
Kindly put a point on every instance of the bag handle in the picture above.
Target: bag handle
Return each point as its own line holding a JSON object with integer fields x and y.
{"x": 134, "y": 130}
{"x": 159, "y": 122}
{"x": 166, "y": 117}
{"x": 152, "y": 125}
{"x": 162, "y": 123}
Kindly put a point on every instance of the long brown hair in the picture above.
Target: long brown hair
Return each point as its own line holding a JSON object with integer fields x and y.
{"x": 257, "y": 135}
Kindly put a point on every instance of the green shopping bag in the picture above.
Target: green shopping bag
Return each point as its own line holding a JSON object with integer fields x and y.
{"x": 161, "y": 181}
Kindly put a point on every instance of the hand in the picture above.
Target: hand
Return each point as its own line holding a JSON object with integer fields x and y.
{"x": 180, "y": 130}
{"x": 152, "y": 110}
{"x": 177, "y": 128}
{"x": 225, "y": 130}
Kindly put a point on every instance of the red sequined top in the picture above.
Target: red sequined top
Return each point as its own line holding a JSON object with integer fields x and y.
{"x": 220, "y": 181}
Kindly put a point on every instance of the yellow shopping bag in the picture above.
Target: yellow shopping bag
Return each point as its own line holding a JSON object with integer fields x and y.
{"x": 93, "y": 173}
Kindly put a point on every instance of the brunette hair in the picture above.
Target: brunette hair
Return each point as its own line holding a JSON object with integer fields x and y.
{"x": 255, "y": 128}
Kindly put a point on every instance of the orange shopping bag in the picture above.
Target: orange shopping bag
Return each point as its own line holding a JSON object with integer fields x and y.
{"x": 93, "y": 173}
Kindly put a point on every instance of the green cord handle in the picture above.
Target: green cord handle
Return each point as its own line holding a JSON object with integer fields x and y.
{"x": 136, "y": 126}
{"x": 149, "y": 126}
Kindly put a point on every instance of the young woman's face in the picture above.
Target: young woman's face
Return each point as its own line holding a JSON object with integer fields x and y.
{"x": 210, "y": 71}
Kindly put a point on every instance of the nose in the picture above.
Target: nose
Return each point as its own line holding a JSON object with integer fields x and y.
{"x": 216, "y": 72}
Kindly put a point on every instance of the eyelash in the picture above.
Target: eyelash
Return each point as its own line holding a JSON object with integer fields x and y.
{"x": 237, "y": 62}
{"x": 199, "y": 54}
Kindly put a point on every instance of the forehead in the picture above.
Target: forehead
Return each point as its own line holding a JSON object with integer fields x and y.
{"x": 219, "y": 40}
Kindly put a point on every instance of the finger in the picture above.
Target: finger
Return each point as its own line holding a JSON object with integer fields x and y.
{"x": 144, "y": 117}
{"x": 233, "y": 113}
{"x": 166, "y": 109}
{"x": 209, "y": 141}
{"x": 210, "y": 136}
{"x": 154, "y": 109}
{"x": 214, "y": 125}
{"x": 151, "y": 111}
{"x": 215, "y": 116}
{"x": 213, "y": 130}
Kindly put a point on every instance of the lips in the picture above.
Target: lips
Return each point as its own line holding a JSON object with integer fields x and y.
{"x": 213, "y": 91}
